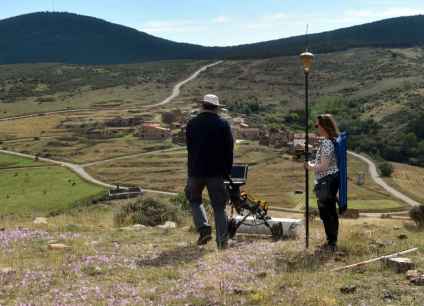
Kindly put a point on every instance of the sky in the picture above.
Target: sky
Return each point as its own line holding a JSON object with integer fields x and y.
{"x": 225, "y": 22}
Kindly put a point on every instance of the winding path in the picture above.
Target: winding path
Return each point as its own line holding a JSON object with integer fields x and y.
{"x": 379, "y": 181}
{"x": 79, "y": 169}
{"x": 177, "y": 88}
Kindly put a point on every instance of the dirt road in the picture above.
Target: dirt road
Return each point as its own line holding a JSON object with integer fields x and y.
{"x": 378, "y": 180}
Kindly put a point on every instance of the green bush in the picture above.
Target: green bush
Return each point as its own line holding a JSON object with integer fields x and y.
{"x": 180, "y": 201}
{"x": 416, "y": 213}
{"x": 386, "y": 169}
{"x": 148, "y": 212}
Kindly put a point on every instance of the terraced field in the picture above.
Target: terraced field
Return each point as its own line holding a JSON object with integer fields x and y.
{"x": 273, "y": 176}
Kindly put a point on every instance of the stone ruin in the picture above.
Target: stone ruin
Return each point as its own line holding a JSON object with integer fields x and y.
{"x": 124, "y": 121}
{"x": 277, "y": 138}
{"x": 172, "y": 117}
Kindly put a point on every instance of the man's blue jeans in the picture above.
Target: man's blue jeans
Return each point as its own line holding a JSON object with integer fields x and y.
{"x": 218, "y": 196}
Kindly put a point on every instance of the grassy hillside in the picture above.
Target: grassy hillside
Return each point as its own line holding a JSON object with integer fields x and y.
{"x": 408, "y": 179}
{"x": 32, "y": 88}
{"x": 377, "y": 95}
{"x": 37, "y": 189}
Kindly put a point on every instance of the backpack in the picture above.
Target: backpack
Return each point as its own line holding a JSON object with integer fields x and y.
{"x": 340, "y": 148}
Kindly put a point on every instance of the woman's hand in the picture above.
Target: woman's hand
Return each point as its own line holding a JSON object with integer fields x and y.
{"x": 310, "y": 165}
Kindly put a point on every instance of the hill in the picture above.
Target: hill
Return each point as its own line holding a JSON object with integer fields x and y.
{"x": 394, "y": 32}
{"x": 71, "y": 38}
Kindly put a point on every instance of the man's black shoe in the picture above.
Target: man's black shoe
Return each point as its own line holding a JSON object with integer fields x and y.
{"x": 205, "y": 236}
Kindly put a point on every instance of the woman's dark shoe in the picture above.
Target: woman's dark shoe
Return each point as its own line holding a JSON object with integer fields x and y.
{"x": 328, "y": 247}
{"x": 205, "y": 236}
{"x": 332, "y": 248}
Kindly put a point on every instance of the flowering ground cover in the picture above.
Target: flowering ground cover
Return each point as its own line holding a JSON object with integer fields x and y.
{"x": 105, "y": 265}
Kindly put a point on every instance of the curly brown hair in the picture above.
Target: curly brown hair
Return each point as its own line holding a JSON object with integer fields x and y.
{"x": 327, "y": 122}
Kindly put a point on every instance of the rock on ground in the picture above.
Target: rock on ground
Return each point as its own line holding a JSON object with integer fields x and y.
{"x": 168, "y": 224}
{"x": 58, "y": 246}
{"x": 400, "y": 264}
{"x": 41, "y": 220}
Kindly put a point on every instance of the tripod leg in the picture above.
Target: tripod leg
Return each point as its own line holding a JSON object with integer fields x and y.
{"x": 233, "y": 225}
{"x": 277, "y": 231}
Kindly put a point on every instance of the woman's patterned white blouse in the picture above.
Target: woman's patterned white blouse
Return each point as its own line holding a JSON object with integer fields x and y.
{"x": 325, "y": 161}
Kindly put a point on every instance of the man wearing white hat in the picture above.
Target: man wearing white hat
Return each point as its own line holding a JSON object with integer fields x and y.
{"x": 210, "y": 148}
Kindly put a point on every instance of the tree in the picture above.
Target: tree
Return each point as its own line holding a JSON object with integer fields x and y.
{"x": 386, "y": 169}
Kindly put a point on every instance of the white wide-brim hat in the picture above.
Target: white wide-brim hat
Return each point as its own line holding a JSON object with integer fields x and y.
{"x": 211, "y": 100}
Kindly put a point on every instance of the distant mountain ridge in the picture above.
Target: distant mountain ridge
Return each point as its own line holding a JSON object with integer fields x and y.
{"x": 72, "y": 38}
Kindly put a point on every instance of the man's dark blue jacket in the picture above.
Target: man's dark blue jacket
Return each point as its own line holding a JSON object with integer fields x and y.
{"x": 210, "y": 146}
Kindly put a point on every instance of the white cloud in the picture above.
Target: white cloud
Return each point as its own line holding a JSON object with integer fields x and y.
{"x": 232, "y": 30}
{"x": 221, "y": 19}
{"x": 381, "y": 14}
{"x": 395, "y": 12}
{"x": 277, "y": 16}
{"x": 171, "y": 26}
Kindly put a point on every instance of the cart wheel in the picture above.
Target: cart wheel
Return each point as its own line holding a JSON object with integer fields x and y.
{"x": 277, "y": 231}
{"x": 232, "y": 228}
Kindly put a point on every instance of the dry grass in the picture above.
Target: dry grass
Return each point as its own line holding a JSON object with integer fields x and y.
{"x": 87, "y": 86}
{"x": 46, "y": 135}
{"x": 162, "y": 171}
{"x": 168, "y": 171}
{"x": 164, "y": 267}
{"x": 273, "y": 177}
{"x": 30, "y": 127}
{"x": 408, "y": 179}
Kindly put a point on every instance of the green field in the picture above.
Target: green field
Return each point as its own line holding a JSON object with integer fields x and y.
{"x": 9, "y": 161}
{"x": 29, "y": 191}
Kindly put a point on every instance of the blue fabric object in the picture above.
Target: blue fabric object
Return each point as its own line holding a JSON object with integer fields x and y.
{"x": 340, "y": 147}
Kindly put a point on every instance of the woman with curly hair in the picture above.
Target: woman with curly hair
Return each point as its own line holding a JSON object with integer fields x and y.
{"x": 327, "y": 178}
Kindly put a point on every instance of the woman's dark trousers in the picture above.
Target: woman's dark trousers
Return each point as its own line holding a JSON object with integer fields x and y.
{"x": 328, "y": 210}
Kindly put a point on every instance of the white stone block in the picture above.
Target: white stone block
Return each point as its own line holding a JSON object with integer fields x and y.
{"x": 255, "y": 226}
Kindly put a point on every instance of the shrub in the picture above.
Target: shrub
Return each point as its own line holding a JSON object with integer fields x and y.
{"x": 148, "y": 212}
{"x": 416, "y": 213}
{"x": 386, "y": 169}
{"x": 180, "y": 200}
